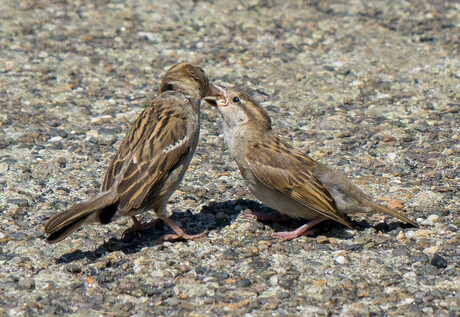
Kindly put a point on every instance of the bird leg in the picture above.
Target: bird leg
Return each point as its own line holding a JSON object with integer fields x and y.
{"x": 138, "y": 226}
{"x": 179, "y": 233}
{"x": 272, "y": 216}
{"x": 302, "y": 230}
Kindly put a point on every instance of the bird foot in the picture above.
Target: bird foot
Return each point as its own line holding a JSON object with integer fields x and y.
{"x": 272, "y": 216}
{"x": 138, "y": 226}
{"x": 303, "y": 230}
{"x": 179, "y": 233}
{"x": 183, "y": 236}
{"x": 289, "y": 235}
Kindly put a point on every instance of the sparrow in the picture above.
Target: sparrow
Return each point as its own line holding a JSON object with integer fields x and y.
{"x": 281, "y": 176}
{"x": 150, "y": 162}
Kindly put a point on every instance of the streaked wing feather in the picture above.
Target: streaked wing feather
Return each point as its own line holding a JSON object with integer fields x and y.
{"x": 124, "y": 150}
{"x": 287, "y": 170}
{"x": 141, "y": 163}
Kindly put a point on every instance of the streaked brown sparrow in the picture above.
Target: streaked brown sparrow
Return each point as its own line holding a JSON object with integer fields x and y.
{"x": 150, "y": 162}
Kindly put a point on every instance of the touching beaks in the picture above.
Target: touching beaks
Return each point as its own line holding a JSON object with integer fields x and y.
{"x": 216, "y": 93}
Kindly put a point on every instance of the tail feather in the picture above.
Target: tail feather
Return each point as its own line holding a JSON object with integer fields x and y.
{"x": 395, "y": 213}
{"x": 64, "y": 223}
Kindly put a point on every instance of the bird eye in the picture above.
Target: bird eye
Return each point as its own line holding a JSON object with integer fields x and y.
{"x": 236, "y": 99}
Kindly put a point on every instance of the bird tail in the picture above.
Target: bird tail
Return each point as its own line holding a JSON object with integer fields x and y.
{"x": 394, "y": 213}
{"x": 61, "y": 225}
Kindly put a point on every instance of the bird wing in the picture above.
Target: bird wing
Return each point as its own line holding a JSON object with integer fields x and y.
{"x": 289, "y": 171}
{"x": 158, "y": 142}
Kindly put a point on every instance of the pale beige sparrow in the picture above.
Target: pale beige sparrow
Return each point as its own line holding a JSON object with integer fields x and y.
{"x": 283, "y": 177}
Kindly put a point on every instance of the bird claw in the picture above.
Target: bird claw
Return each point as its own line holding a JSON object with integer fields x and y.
{"x": 184, "y": 236}
{"x": 289, "y": 235}
{"x": 249, "y": 214}
{"x": 139, "y": 227}
{"x": 271, "y": 216}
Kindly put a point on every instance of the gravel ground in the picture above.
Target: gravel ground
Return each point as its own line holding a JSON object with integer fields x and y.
{"x": 369, "y": 88}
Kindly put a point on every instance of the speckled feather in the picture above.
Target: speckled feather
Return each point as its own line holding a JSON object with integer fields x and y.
{"x": 141, "y": 164}
{"x": 150, "y": 162}
{"x": 288, "y": 171}
{"x": 283, "y": 177}
{"x": 140, "y": 167}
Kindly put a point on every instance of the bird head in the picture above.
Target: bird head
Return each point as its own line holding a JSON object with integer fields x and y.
{"x": 238, "y": 108}
{"x": 188, "y": 79}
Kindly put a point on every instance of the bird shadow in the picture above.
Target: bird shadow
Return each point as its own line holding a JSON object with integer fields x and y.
{"x": 328, "y": 228}
{"x": 215, "y": 216}
{"x": 212, "y": 216}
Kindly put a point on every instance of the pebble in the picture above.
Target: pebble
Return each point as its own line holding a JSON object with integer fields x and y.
{"x": 410, "y": 276}
{"x": 274, "y": 280}
{"x": 27, "y": 283}
{"x": 438, "y": 261}
{"x": 341, "y": 259}
{"x": 55, "y": 139}
{"x": 18, "y": 201}
{"x": 3, "y": 168}
{"x": 322, "y": 239}
{"x": 92, "y": 133}
{"x": 102, "y": 119}
{"x": 431, "y": 250}
{"x": 433, "y": 218}
{"x": 410, "y": 234}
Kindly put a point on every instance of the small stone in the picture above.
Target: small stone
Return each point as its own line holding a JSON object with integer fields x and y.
{"x": 343, "y": 134}
{"x": 73, "y": 268}
{"x": 391, "y": 156}
{"x": 395, "y": 204}
{"x": 320, "y": 282}
{"x": 55, "y": 139}
{"x": 378, "y": 164}
{"x": 92, "y": 133}
{"x": 431, "y": 250}
{"x": 333, "y": 241}
{"x": 369, "y": 245}
{"x": 27, "y": 283}
{"x": 244, "y": 283}
{"x": 410, "y": 276}
{"x": 348, "y": 285}
{"x": 274, "y": 280}
{"x": 18, "y": 201}
{"x": 424, "y": 233}
{"x": 271, "y": 305}
{"x": 341, "y": 259}
{"x": 3, "y": 168}
{"x": 408, "y": 300}
{"x": 61, "y": 161}
{"x": 400, "y": 251}
{"x": 187, "y": 306}
{"x": 299, "y": 76}
{"x": 102, "y": 119}
{"x": 322, "y": 239}
{"x": 438, "y": 261}
{"x": 410, "y": 234}
{"x": 433, "y": 218}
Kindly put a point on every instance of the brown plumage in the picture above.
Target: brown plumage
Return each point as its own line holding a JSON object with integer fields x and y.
{"x": 150, "y": 162}
{"x": 283, "y": 177}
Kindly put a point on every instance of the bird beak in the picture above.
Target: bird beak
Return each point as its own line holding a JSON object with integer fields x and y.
{"x": 215, "y": 94}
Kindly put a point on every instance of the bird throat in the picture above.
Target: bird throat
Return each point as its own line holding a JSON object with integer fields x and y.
{"x": 229, "y": 132}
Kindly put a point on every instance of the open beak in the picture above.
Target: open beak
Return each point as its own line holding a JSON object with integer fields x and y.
{"x": 216, "y": 92}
